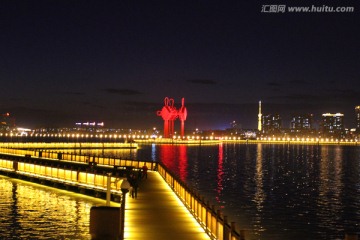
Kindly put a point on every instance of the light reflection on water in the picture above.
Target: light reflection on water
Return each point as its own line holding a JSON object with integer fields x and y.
{"x": 30, "y": 211}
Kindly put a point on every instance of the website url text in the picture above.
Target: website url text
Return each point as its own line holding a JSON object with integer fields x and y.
{"x": 312, "y": 9}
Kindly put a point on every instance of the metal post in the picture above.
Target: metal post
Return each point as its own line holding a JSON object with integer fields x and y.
{"x": 125, "y": 186}
{"x": 108, "y": 189}
{"x": 226, "y": 229}
{"x": 122, "y": 213}
{"x": 233, "y": 229}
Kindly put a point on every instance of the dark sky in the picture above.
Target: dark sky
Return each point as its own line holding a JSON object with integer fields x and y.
{"x": 69, "y": 61}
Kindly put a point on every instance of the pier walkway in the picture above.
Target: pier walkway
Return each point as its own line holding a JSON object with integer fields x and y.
{"x": 158, "y": 214}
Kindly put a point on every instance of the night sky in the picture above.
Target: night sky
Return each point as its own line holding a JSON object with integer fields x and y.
{"x": 71, "y": 61}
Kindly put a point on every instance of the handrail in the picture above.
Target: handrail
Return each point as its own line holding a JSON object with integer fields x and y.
{"x": 83, "y": 158}
{"x": 66, "y": 145}
{"x": 214, "y": 223}
{"x": 57, "y": 174}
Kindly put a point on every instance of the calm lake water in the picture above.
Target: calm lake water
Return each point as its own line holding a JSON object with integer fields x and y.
{"x": 277, "y": 192}
{"x": 31, "y": 211}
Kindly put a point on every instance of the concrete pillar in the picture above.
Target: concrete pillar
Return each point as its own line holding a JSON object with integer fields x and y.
{"x": 104, "y": 223}
{"x": 244, "y": 235}
{"x": 108, "y": 189}
{"x": 351, "y": 236}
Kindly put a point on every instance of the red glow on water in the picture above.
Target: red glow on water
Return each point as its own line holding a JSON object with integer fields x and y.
{"x": 167, "y": 155}
{"x": 183, "y": 162}
{"x": 175, "y": 158}
{"x": 220, "y": 172}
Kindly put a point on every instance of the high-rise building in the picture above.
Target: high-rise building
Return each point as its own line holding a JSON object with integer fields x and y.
{"x": 357, "y": 120}
{"x": 235, "y": 125}
{"x": 271, "y": 124}
{"x": 302, "y": 124}
{"x": 332, "y": 125}
{"x": 6, "y": 122}
{"x": 259, "y": 118}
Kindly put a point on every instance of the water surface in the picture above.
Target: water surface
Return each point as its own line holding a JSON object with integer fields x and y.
{"x": 32, "y": 211}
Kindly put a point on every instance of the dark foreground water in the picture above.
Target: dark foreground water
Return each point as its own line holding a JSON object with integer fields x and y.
{"x": 30, "y": 211}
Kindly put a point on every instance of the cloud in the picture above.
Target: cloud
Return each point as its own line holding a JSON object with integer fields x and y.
{"x": 291, "y": 82}
{"x": 348, "y": 95}
{"x": 308, "y": 97}
{"x": 72, "y": 93}
{"x": 202, "y": 81}
{"x": 122, "y": 91}
{"x": 274, "y": 84}
{"x": 299, "y": 82}
{"x": 90, "y": 104}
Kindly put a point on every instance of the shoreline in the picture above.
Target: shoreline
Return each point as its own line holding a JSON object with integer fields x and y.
{"x": 204, "y": 142}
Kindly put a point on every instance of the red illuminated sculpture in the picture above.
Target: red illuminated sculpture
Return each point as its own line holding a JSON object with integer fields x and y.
{"x": 169, "y": 114}
{"x": 182, "y": 113}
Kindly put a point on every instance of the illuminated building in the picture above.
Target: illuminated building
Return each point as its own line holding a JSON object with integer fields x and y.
{"x": 89, "y": 126}
{"x": 357, "y": 114}
{"x": 6, "y": 122}
{"x": 332, "y": 125}
{"x": 259, "y": 118}
{"x": 301, "y": 124}
{"x": 271, "y": 124}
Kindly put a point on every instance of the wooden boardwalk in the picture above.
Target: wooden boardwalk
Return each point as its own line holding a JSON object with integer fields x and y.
{"x": 158, "y": 214}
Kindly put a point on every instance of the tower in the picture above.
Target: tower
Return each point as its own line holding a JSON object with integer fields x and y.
{"x": 357, "y": 114}
{"x": 259, "y": 118}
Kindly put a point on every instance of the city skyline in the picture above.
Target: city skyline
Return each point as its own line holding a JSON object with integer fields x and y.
{"x": 303, "y": 123}
{"x": 71, "y": 61}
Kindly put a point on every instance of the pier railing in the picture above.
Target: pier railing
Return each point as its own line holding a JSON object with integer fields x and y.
{"x": 17, "y": 151}
{"x": 95, "y": 181}
{"x": 66, "y": 145}
{"x": 70, "y": 177}
{"x": 214, "y": 223}
{"x": 83, "y": 158}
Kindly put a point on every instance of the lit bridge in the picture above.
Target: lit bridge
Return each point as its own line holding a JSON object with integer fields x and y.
{"x": 165, "y": 208}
